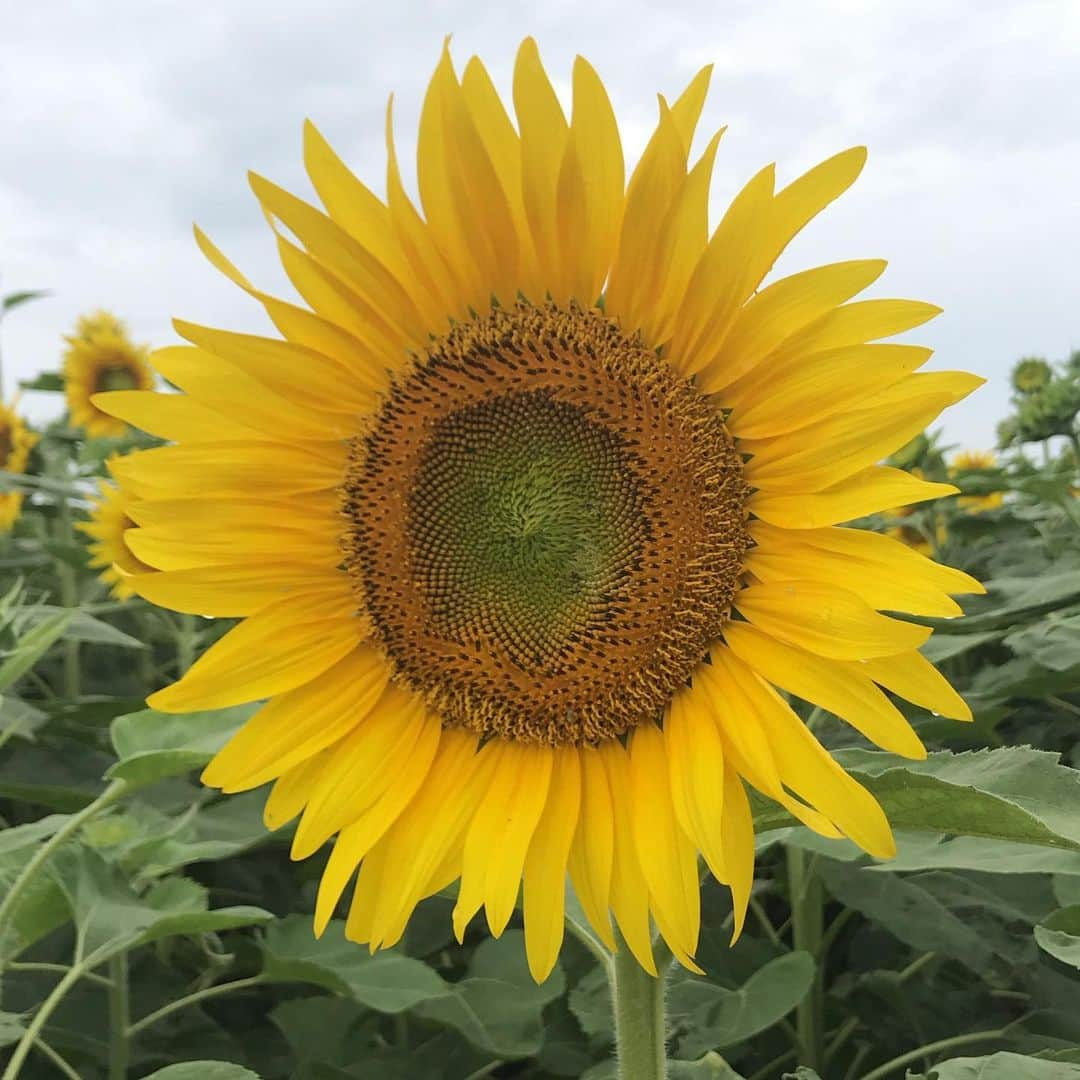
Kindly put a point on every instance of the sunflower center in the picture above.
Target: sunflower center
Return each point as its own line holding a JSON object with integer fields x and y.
{"x": 115, "y": 377}
{"x": 545, "y": 526}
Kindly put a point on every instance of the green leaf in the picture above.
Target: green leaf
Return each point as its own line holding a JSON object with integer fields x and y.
{"x": 710, "y": 1067}
{"x": 20, "y": 718}
{"x": 714, "y": 1016}
{"x": 1015, "y": 793}
{"x": 16, "y": 299}
{"x": 1059, "y": 935}
{"x": 85, "y": 627}
{"x": 61, "y": 773}
{"x": 1054, "y": 642}
{"x": 51, "y": 382}
{"x": 1001, "y": 1066}
{"x": 204, "y": 1070}
{"x": 908, "y": 912}
{"x": 31, "y": 647}
{"x": 111, "y": 918}
{"x": 152, "y": 745}
{"x": 388, "y": 982}
{"x": 930, "y": 851}
{"x": 803, "y": 1072}
{"x": 11, "y": 1028}
{"x": 498, "y": 1007}
{"x": 42, "y": 907}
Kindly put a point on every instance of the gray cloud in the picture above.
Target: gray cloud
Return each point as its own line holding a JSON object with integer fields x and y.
{"x": 122, "y": 122}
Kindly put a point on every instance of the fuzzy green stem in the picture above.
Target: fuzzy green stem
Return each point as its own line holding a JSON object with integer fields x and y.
{"x": 186, "y": 638}
{"x": 807, "y": 929}
{"x": 116, "y": 790}
{"x": 932, "y": 1048}
{"x": 119, "y": 1009}
{"x": 640, "y": 1027}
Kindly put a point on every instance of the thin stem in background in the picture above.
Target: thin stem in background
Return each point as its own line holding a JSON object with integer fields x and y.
{"x": 192, "y": 999}
{"x": 119, "y": 1009}
{"x": 930, "y": 1049}
{"x": 807, "y": 929}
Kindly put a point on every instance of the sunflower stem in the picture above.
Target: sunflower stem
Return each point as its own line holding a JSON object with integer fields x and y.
{"x": 807, "y": 930}
{"x": 640, "y": 1020}
{"x": 69, "y": 596}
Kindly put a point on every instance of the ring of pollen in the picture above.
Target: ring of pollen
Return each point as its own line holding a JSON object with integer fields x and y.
{"x": 545, "y": 526}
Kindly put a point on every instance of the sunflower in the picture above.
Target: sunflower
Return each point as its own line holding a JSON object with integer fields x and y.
{"x": 101, "y": 356}
{"x": 531, "y": 517}
{"x": 108, "y": 523}
{"x": 976, "y": 461}
{"x": 16, "y": 442}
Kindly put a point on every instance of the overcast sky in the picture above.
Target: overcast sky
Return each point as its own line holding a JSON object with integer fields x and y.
{"x": 123, "y": 121}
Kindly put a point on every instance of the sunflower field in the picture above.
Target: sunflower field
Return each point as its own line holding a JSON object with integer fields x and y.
{"x": 822, "y": 824}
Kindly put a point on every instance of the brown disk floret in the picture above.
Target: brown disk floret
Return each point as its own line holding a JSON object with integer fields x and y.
{"x": 545, "y": 525}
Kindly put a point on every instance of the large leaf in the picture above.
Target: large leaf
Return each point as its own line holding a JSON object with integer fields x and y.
{"x": 713, "y": 1017}
{"x": 60, "y": 773}
{"x": 32, "y": 646}
{"x": 82, "y": 626}
{"x": 152, "y": 745}
{"x": 204, "y": 1070}
{"x": 1059, "y": 935}
{"x": 389, "y": 981}
{"x": 1001, "y": 1066}
{"x": 111, "y": 918}
{"x": 908, "y": 912}
{"x": 1009, "y": 794}
{"x": 42, "y": 906}
{"x": 498, "y": 1007}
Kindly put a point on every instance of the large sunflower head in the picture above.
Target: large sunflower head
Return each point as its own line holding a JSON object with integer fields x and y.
{"x": 16, "y": 442}
{"x": 106, "y": 526}
{"x": 532, "y": 514}
{"x": 100, "y": 356}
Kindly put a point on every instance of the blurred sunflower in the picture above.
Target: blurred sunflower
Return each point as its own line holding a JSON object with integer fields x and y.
{"x": 533, "y": 510}
{"x": 101, "y": 356}
{"x": 16, "y": 442}
{"x": 107, "y": 525}
{"x": 976, "y": 461}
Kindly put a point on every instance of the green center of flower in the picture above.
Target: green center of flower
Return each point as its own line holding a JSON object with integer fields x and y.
{"x": 523, "y": 519}
{"x": 545, "y": 526}
{"x": 116, "y": 377}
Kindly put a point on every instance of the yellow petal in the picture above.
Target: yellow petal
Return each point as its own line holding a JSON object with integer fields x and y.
{"x": 239, "y": 469}
{"x": 773, "y": 399}
{"x": 668, "y": 859}
{"x": 781, "y": 309}
{"x": 695, "y": 754}
{"x": 912, "y": 676}
{"x": 281, "y": 647}
{"x": 544, "y": 133}
{"x": 365, "y": 764}
{"x": 737, "y": 829}
{"x": 848, "y": 442}
{"x": 291, "y": 791}
{"x": 230, "y": 591}
{"x": 593, "y": 848}
{"x": 868, "y": 491}
{"x": 419, "y": 835}
{"x": 838, "y": 687}
{"x": 810, "y": 772}
{"x": 173, "y": 417}
{"x": 499, "y": 834}
{"x": 629, "y": 891}
{"x": 544, "y": 881}
{"x": 826, "y": 620}
{"x": 886, "y": 573}
{"x": 299, "y": 724}
{"x": 724, "y": 277}
{"x": 856, "y": 324}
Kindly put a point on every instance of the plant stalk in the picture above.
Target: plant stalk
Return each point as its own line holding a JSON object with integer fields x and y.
{"x": 69, "y": 597}
{"x": 640, "y": 1022}
{"x": 119, "y": 1016}
{"x": 807, "y": 930}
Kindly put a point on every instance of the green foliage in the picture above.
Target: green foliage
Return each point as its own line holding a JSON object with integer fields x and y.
{"x": 116, "y": 865}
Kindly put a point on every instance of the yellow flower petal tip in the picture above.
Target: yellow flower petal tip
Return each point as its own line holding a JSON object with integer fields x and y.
{"x": 488, "y": 503}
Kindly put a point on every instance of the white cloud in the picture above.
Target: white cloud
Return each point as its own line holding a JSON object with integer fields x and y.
{"x": 124, "y": 121}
